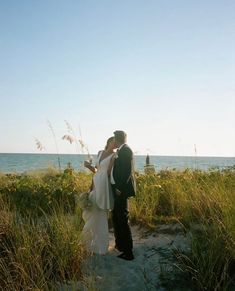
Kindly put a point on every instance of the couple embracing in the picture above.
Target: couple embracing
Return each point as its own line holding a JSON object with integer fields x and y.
{"x": 113, "y": 183}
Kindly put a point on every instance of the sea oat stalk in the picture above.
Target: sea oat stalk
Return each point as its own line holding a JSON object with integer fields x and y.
{"x": 55, "y": 141}
{"x": 39, "y": 145}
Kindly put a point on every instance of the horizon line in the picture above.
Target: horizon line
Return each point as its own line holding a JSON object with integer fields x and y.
{"x": 95, "y": 154}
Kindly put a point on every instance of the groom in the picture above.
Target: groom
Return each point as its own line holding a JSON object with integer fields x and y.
{"x": 123, "y": 185}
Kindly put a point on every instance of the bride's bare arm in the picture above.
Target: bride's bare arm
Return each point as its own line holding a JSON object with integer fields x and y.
{"x": 90, "y": 167}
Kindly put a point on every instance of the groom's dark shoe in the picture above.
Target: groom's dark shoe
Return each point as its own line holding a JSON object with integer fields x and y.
{"x": 126, "y": 256}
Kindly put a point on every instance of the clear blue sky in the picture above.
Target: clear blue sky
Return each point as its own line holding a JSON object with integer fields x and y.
{"x": 164, "y": 71}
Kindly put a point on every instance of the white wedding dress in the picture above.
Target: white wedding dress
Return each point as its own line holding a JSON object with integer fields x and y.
{"x": 95, "y": 232}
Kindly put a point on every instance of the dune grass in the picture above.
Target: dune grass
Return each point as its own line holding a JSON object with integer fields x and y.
{"x": 204, "y": 203}
{"x": 40, "y": 243}
{"x": 40, "y": 225}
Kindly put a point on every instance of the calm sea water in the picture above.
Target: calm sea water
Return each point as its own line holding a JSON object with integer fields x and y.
{"x": 27, "y": 162}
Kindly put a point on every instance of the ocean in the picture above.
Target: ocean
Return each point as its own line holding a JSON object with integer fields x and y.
{"x": 18, "y": 163}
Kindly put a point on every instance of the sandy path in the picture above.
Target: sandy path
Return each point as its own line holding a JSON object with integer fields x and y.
{"x": 152, "y": 257}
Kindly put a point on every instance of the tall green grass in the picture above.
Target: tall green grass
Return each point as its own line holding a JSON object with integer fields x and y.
{"x": 40, "y": 228}
{"x": 40, "y": 224}
{"x": 36, "y": 255}
{"x": 204, "y": 203}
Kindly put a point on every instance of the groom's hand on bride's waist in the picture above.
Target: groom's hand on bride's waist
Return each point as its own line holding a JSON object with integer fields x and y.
{"x": 118, "y": 192}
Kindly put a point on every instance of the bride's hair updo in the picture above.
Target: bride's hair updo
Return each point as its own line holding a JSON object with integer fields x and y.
{"x": 108, "y": 142}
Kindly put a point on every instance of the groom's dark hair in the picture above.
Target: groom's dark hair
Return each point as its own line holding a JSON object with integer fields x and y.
{"x": 120, "y": 136}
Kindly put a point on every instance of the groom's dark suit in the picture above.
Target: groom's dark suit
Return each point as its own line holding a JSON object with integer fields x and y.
{"x": 123, "y": 175}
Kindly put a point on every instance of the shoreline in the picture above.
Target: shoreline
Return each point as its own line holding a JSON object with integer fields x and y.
{"x": 136, "y": 155}
{"x": 20, "y": 163}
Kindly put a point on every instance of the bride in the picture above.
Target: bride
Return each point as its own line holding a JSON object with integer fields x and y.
{"x": 95, "y": 232}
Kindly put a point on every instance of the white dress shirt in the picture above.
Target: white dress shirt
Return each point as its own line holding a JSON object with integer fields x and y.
{"x": 111, "y": 175}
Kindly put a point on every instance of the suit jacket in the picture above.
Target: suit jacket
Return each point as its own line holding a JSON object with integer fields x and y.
{"x": 123, "y": 171}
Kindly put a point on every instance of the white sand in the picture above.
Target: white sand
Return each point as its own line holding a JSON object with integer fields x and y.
{"x": 153, "y": 253}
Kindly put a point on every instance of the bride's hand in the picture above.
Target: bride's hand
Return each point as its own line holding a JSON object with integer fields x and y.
{"x": 87, "y": 164}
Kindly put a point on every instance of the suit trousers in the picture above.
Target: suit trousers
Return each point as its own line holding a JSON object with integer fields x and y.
{"x": 120, "y": 215}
